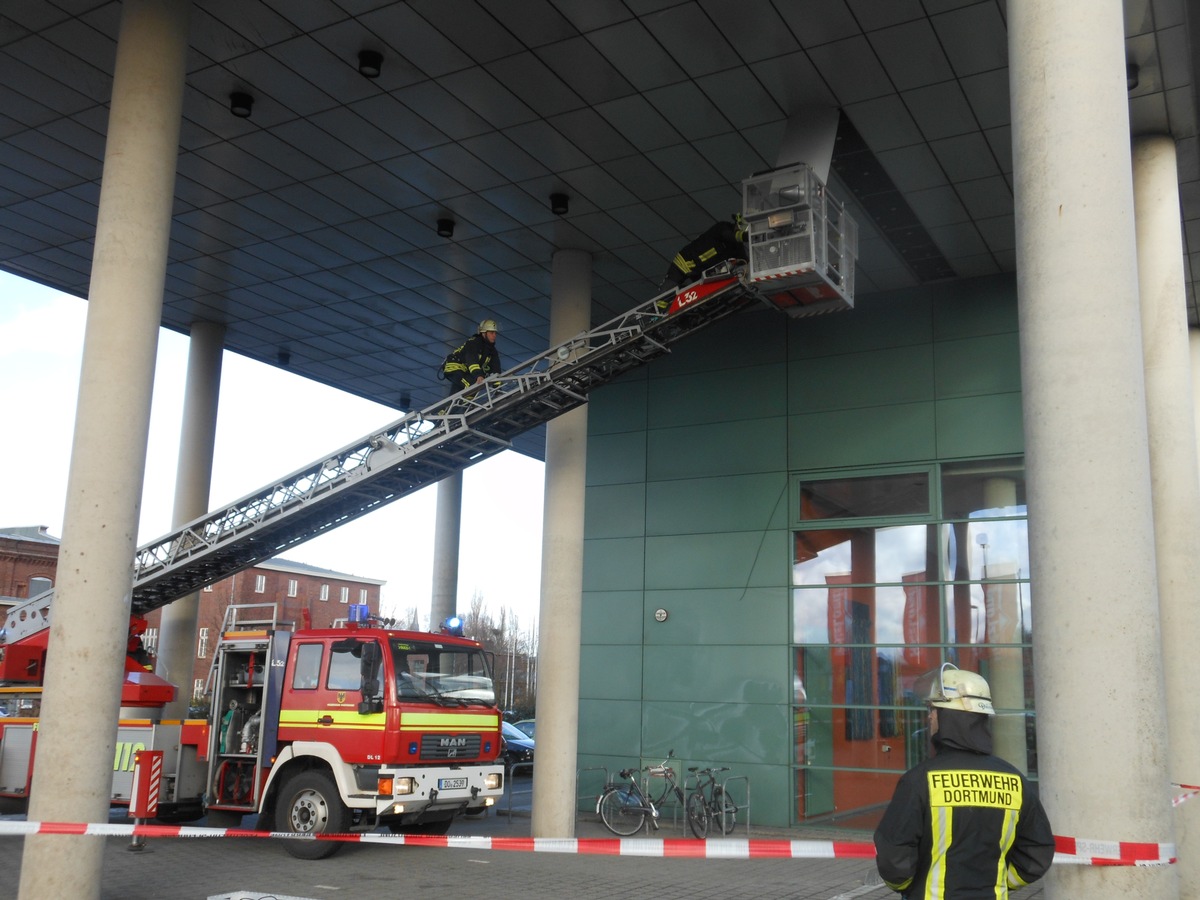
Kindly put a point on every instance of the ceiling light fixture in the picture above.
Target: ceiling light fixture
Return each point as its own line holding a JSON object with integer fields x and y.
{"x": 445, "y": 228}
{"x": 559, "y": 204}
{"x": 241, "y": 104}
{"x": 370, "y": 63}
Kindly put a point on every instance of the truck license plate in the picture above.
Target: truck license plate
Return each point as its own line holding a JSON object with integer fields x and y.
{"x": 451, "y": 784}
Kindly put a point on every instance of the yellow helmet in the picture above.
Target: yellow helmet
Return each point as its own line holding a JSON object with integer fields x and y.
{"x": 953, "y": 688}
{"x": 488, "y": 325}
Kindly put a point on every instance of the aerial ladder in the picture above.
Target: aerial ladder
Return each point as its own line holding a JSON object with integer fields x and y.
{"x": 801, "y": 270}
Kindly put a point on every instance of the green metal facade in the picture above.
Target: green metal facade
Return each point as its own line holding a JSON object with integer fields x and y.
{"x": 689, "y": 466}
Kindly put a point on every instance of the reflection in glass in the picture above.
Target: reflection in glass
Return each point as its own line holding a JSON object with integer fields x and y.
{"x": 877, "y": 606}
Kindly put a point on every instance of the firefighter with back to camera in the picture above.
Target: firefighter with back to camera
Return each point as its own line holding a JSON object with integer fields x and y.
{"x": 473, "y": 360}
{"x": 963, "y": 824}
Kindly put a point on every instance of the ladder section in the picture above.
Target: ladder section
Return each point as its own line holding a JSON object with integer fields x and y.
{"x": 420, "y": 449}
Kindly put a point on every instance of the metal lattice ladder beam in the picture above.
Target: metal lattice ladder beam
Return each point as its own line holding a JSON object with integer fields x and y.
{"x": 420, "y": 449}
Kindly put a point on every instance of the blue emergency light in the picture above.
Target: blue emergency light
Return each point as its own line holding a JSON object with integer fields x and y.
{"x": 453, "y": 625}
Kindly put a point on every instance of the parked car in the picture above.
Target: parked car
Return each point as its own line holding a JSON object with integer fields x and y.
{"x": 526, "y": 725}
{"x": 518, "y": 747}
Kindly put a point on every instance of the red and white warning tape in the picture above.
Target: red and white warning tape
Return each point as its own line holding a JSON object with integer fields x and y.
{"x": 1069, "y": 851}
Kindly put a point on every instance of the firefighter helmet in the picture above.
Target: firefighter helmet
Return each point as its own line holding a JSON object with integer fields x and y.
{"x": 488, "y": 325}
{"x": 953, "y": 688}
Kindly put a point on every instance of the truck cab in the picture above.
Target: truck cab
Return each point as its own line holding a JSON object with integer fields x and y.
{"x": 352, "y": 728}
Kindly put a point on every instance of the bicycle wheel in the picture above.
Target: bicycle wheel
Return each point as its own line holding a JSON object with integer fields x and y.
{"x": 724, "y": 811}
{"x": 621, "y": 810}
{"x": 697, "y": 815}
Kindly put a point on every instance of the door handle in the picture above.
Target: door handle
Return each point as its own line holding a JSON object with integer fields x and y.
{"x": 325, "y": 720}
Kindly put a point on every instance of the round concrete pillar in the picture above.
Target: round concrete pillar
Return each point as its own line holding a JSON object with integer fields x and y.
{"x": 1173, "y": 470}
{"x": 562, "y": 572}
{"x": 447, "y": 533}
{"x": 77, "y": 734}
{"x": 1091, "y": 529}
{"x": 193, "y": 480}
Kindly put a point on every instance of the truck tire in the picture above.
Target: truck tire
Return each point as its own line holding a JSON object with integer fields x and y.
{"x": 309, "y": 803}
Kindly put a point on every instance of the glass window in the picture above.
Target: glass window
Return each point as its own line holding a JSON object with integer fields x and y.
{"x": 876, "y": 604}
{"x": 39, "y": 585}
{"x": 869, "y": 496}
{"x": 202, "y": 644}
{"x": 324, "y": 592}
{"x": 260, "y": 584}
{"x": 293, "y": 587}
{"x": 307, "y": 673}
{"x": 362, "y": 595}
{"x": 345, "y": 595}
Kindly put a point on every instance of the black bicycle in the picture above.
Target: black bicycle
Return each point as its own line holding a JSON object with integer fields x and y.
{"x": 624, "y": 807}
{"x": 710, "y": 803}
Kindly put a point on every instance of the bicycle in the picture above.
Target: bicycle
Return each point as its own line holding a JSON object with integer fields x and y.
{"x": 623, "y": 808}
{"x": 717, "y": 806}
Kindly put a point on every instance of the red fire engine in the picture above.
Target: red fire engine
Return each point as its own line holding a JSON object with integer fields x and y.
{"x": 312, "y": 730}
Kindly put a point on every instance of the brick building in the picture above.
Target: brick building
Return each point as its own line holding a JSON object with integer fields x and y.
{"x": 304, "y": 595}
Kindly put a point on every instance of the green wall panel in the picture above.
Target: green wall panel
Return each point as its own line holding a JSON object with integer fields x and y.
{"x": 612, "y": 617}
{"x": 620, "y": 406}
{"x": 902, "y": 319}
{"x": 616, "y": 458}
{"x": 862, "y": 437}
{"x": 610, "y": 671}
{"x": 730, "y": 559}
{"x": 989, "y": 364}
{"x": 749, "y": 338}
{"x": 613, "y": 564}
{"x": 615, "y": 510}
{"x": 732, "y": 732}
{"x": 755, "y": 445}
{"x": 610, "y": 728}
{"x": 720, "y": 674}
{"x": 734, "y": 503}
{"x": 974, "y": 307}
{"x": 980, "y": 426}
{"x": 882, "y": 377}
{"x": 722, "y": 395}
{"x": 701, "y": 617}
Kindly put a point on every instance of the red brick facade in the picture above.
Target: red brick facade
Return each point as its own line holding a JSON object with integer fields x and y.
{"x": 26, "y": 554}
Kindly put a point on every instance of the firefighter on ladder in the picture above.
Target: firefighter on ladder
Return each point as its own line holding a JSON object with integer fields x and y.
{"x": 474, "y": 359}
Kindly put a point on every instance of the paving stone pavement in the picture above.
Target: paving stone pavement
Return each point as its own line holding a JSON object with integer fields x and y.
{"x": 260, "y": 869}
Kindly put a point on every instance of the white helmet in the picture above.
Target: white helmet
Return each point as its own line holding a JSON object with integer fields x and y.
{"x": 953, "y": 688}
{"x": 488, "y": 325}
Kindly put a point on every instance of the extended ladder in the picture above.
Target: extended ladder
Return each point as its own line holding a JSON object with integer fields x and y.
{"x": 417, "y": 450}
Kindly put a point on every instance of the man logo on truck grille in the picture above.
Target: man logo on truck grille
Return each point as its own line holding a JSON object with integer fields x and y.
{"x": 452, "y": 745}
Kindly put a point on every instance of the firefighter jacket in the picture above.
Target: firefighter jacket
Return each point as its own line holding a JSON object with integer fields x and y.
{"x": 963, "y": 824}
{"x": 476, "y": 356}
{"x": 722, "y": 241}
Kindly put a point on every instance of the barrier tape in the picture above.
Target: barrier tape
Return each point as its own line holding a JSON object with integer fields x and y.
{"x": 1189, "y": 791}
{"x": 1068, "y": 851}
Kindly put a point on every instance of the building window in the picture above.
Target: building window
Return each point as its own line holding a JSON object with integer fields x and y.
{"x": 208, "y": 588}
{"x": 39, "y": 585}
{"x": 892, "y": 575}
{"x": 260, "y": 584}
{"x": 150, "y": 640}
{"x": 362, "y": 595}
{"x": 324, "y": 592}
{"x": 202, "y": 644}
{"x": 198, "y": 689}
{"x": 345, "y": 595}
{"x": 293, "y": 587}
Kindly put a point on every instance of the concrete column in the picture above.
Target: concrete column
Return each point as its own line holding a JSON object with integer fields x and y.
{"x": 193, "y": 479}
{"x": 562, "y": 571}
{"x": 1097, "y": 645}
{"x": 77, "y": 736}
{"x": 1194, "y": 350}
{"x": 1173, "y": 470}
{"x": 447, "y": 530}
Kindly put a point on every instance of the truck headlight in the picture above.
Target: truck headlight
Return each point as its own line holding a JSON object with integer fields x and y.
{"x": 494, "y": 781}
{"x": 404, "y": 786}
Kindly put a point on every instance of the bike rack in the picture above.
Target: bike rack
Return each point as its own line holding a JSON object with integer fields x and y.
{"x": 508, "y": 771}
{"x": 692, "y": 782}
{"x": 590, "y": 797}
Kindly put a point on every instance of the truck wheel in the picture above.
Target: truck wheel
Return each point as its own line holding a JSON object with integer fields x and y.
{"x": 310, "y": 804}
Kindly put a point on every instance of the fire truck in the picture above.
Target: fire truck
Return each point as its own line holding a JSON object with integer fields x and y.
{"x": 311, "y": 730}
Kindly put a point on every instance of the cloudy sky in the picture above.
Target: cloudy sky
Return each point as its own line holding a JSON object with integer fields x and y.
{"x": 41, "y": 341}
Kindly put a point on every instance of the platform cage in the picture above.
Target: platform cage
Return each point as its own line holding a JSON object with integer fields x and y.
{"x": 801, "y": 243}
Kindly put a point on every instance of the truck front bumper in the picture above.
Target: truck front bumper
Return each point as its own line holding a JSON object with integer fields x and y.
{"x": 421, "y": 790}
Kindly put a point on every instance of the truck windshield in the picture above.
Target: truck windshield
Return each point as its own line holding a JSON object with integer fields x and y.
{"x": 432, "y": 672}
